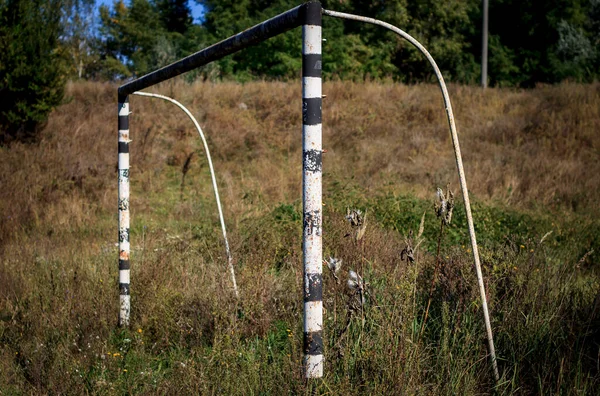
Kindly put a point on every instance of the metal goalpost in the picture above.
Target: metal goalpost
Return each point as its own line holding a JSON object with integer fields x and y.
{"x": 307, "y": 15}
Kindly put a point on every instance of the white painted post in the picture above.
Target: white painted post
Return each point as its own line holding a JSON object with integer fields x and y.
{"x": 124, "y": 248}
{"x": 312, "y": 190}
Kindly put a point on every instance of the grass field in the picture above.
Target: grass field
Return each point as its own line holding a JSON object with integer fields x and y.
{"x": 533, "y": 167}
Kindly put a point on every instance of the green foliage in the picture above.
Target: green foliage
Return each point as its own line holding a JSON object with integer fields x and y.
{"x": 31, "y": 66}
{"x": 543, "y": 42}
{"x": 146, "y": 35}
{"x": 175, "y": 15}
{"x": 549, "y": 42}
{"x": 442, "y": 28}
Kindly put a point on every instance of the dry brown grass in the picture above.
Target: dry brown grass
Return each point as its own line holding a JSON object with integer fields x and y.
{"x": 526, "y": 148}
{"x": 58, "y": 295}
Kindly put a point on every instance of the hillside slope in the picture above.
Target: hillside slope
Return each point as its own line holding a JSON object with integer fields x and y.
{"x": 532, "y": 165}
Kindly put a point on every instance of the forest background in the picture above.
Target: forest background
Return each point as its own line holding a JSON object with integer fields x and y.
{"x": 44, "y": 43}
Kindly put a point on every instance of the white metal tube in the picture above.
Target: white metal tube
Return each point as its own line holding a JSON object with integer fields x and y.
{"x": 213, "y": 177}
{"x": 459, "y": 165}
{"x": 312, "y": 191}
{"x": 124, "y": 247}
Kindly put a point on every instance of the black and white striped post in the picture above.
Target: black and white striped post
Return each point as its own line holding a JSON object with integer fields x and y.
{"x": 307, "y": 15}
{"x": 254, "y": 35}
{"x": 124, "y": 248}
{"x": 312, "y": 190}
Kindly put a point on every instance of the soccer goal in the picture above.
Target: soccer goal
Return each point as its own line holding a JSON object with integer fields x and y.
{"x": 309, "y": 16}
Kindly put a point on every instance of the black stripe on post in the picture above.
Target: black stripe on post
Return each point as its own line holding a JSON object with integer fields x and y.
{"x": 313, "y": 160}
{"x": 124, "y": 265}
{"x": 124, "y": 289}
{"x": 311, "y": 65}
{"x": 314, "y": 287}
{"x": 123, "y": 122}
{"x": 311, "y": 111}
{"x": 123, "y": 148}
{"x": 313, "y": 343}
{"x": 311, "y": 14}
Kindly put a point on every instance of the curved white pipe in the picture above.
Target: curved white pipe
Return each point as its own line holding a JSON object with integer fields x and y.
{"x": 212, "y": 174}
{"x": 459, "y": 165}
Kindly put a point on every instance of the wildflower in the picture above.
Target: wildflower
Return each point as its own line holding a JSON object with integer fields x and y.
{"x": 354, "y": 217}
{"x": 140, "y": 331}
{"x": 355, "y": 283}
{"x": 444, "y": 205}
{"x": 334, "y": 266}
{"x": 357, "y": 220}
{"x": 408, "y": 253}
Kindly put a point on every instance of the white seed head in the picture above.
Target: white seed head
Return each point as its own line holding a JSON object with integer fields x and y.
{"x": 354, "y": 217}
{"x": 354, "y": 280}
{"x": 334, "y": 264}
{"x": 440, "y": 194}
{"x": 444, "y": 206}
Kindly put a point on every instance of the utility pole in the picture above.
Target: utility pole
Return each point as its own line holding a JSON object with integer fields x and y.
{"x": 484, "y": 46}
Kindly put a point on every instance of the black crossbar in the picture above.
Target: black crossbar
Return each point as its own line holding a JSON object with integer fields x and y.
{"x": 254, "y": 35}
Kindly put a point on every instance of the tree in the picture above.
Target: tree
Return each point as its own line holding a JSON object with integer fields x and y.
{"x": 146, "y": 35}
{"x": 31, "y": 67}
{"x": 176, "y": 15}
{"x": 78, "y": 39}
{"x": 529, "y": 44}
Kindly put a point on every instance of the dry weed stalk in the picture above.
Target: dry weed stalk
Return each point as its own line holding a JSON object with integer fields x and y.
{"x": 443, "y": 209}
{"x": 334, "y": 265}
{"x": 409, "y": 252}
{"x": 184, "y": 171}
{"x": 356, "y": 302}
{"x": 444, "y": 205}
{"x": 357, "y": 285}
{"x": 358, "y": 221}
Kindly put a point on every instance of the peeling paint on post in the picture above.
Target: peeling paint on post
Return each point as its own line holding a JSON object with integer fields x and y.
{"x": 311, "y": 197}
{"x": 124, "y": 248}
